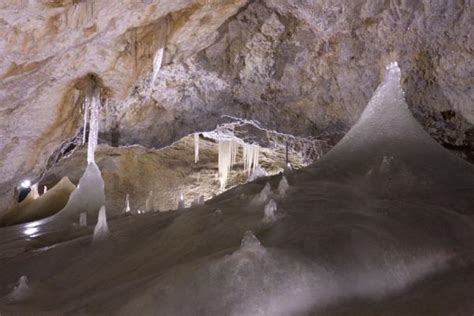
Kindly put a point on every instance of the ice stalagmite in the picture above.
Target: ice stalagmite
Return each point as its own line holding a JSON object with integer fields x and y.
{"x": 181, "y": 201}
{"x": 263, "y": 196}
{"x": 21, "y": 291}
{"x": 34, "y": 191}
{"x": 227, "y": 156}
{"x": 126, "y": 209}
{"x": 269, "y": 212}
{"x": 101, "y": 230}
{"x": 251, "y": 155}
{"x": 196, "y": 147}
{"x": 249, "y": 241}
{"x": 45, "y": 189}
{"x": 149, "y": 202}
{"x": 283, "y": 186}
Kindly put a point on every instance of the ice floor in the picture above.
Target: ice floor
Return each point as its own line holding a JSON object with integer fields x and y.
{"x": 382, "y": 225}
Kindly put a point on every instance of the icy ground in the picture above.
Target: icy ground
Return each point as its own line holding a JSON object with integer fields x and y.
{"x": 382, "y": 225}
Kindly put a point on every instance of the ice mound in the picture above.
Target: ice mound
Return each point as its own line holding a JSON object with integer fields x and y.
{"x": 87, "y": 198}
{"x": 101, "y": 230}
{"x": 269, "y": 212}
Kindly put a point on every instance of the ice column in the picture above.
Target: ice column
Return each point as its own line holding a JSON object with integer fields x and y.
{"x": 101, "y": 230}
{"x": 196, "y": 147}
{"x": 94, "y": 101}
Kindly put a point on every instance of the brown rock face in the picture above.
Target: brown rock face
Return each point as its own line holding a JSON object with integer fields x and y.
{"x": 303, "y": 67}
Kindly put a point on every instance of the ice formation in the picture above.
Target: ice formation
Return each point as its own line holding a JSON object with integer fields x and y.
{"x": 88, "y": 197}
{"x": 196, "y": 147}
{"x": 259, "y": 172}
{"x": 251, "y": 158}
{"x": 198, "y": 201}
{"x": 34, "y": 194}
{"x": 21, "y": 291}
{"x": 101, "y": 229}
{"x": 149, "y": 202}
{"x": 126, "y": 209}
{"x": 227, "y": 152}
{"x": 83, "y": 220}
{"x": 269, "y": 212}
{"x": 249, "y": 241}
{"x": 181, "y": 202}
{"x": 93, "y": 105}
{"x": 283, "y": 186}
{"x": 263, "y": 196}
{"x": 85, "y": 108}
{"x": 45, "y": 189}
{"x": 158, "y": 59}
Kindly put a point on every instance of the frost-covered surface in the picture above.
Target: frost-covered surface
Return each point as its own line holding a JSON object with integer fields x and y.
{"x": 397, "y": 242}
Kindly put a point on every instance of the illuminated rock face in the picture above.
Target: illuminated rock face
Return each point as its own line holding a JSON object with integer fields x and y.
{"x": 303, "y": 67}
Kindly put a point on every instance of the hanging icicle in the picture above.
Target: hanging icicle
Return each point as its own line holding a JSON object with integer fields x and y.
{"x": 227, "y": 157}
{"x": 251, "y": 155}
{"x": 158, "y": 59}
{"x": 196, "y": 147}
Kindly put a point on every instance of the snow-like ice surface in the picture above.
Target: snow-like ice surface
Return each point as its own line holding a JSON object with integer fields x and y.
{"x": 381, "y": 225}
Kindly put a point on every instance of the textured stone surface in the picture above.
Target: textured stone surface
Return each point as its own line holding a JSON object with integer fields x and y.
{"x": 301, "y": 67}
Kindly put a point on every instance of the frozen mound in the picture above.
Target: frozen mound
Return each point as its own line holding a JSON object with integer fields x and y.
{"x": 87, "y": 198}
{"x": 387, "y": 148}
{"x": 46, "y": 205}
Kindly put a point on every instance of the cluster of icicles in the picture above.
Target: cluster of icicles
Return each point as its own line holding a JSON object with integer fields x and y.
{"x": 227, "y": 152}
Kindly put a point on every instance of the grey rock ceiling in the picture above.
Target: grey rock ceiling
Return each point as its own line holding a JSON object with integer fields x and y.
{"x": 297, "y": 66}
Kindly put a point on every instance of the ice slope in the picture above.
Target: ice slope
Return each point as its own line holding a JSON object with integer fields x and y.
{"x": 381, "y": 225}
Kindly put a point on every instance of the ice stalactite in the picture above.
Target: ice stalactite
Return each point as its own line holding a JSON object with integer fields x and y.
{"x": 83, "y": 220}
{"x": 158, "y": 59}
{"x": 93, "y": 101}
{"x": 283, "y": 186}
{"x": 269, "y": 212}
{"x": 196, "y": 147}
{"x": 149, "y": 202}
{"x": 227, "y": 157}
{"x": 21, "y": 291}
{"x": 101, "y": 230}
{"x": 126, "y": 209}
{"x": 181, "y": 201}
{"x": 251, "y": 155}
